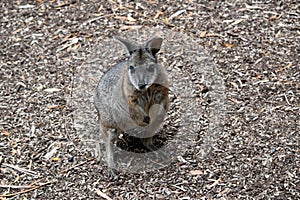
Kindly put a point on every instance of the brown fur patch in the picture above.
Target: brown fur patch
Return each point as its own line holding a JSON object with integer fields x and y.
{"x": 155, "y": 94}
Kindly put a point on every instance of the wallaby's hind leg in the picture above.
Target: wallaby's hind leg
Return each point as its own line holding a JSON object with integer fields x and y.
{"x": 111, "y": 137}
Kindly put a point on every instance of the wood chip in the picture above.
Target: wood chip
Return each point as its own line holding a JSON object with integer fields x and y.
{"x": 130, "y": 28}
{"x": 51, "y": 90}
{"x": 158, "y": 14}
{"x": 203, "y": 34}
{"x": 6, "y": 133}
{"x": 228, "y": 45}
{"x": 196, "y": 172}
{"x": 131, "y": 19}
{"x": 179, "y": 12}
{"x": 26, "y": 6}
{"x": 236, "y": 22}
{"x": 55, "y": 159}
{"x": 102, "y": 194}
{"x": 53, "y": 106}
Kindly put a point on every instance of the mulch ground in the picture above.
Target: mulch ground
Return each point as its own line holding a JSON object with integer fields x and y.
{"x": 255, "y": 48}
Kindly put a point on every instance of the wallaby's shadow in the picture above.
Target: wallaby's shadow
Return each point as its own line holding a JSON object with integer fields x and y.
{"x": 166, "y": 133}
{"x": 134, "y": 144}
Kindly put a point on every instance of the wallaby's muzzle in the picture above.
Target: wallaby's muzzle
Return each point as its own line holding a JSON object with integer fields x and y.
{"x": 142, "y": 86}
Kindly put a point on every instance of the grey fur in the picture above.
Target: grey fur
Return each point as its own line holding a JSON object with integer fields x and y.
{"x": 132, "y": 96}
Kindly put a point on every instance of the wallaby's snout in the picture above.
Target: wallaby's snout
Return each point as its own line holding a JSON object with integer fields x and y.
{"x": 142, "y": 72}
{"x": 142, "y": 86}
{"x": 147, "y": 119}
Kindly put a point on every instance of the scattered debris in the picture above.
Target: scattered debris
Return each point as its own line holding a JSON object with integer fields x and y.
{"x": 255, "y": 47}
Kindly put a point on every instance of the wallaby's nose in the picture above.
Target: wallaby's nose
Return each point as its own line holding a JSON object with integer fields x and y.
{"x": 142, "y": 86}
{"x": 147, "y": 119}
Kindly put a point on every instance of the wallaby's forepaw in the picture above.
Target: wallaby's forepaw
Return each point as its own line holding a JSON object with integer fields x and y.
{"x": 113, "y": 174}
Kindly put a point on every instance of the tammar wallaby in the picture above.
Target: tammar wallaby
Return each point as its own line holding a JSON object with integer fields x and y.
{"x": 132, "y": 97}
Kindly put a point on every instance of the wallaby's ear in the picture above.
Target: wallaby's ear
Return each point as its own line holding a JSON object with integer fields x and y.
{"x": 154, "y": 45}
{"x": 129, "y": 46}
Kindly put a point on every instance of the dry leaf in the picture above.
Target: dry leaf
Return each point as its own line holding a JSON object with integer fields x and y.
{"x": 51, "y": 90}
{"x": 167, "y": 20}
{"x": 6, "y": 133}
{"x": 262, "y": 110}
{"x": 102, "y": 194}
{"x": 267, "y": 54}
{"x": 53, "y": 106}
{"x": 196, "y": 172}
{"x": 235, "y": 85}
{"x": 158, "y": 13}
{"x": 203, "y": 34}
{"x": 228, "y": 45}
{"x": 202, "y": 88}
{"x": 131, "y": 19}
{"x": 121, "y": 18}
{"x": 55, "y": 159}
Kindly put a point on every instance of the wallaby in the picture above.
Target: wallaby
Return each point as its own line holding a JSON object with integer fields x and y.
{"x": 132, "y": 97}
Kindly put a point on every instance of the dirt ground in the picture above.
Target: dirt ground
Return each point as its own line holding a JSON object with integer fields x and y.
{"x": 256, "y": 48}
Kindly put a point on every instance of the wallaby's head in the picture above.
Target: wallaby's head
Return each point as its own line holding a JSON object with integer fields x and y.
{"x": 142, "y": 64}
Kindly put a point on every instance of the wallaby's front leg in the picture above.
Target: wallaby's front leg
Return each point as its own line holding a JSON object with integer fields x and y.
{"x": 111, "y": 137}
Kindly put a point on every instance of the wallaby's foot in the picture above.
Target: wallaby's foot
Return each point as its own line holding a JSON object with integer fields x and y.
{"x": 113, "y": 174}
{"x": 148, "y": 143}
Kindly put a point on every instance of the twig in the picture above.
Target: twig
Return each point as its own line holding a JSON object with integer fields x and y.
{"x": 95, "y": 19}
{"x": 216, "y": 182}
{"x": 25, "y": 191}
{"x": 180, "y": 188}
{"x": 80, "y": 164}
{"x": 16, "y": 186}
{"x": 284, "y": 68}
{"x": 26, "y": 171}
{"x": 35, "y": 182}
{"x": 102, "y": 194}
